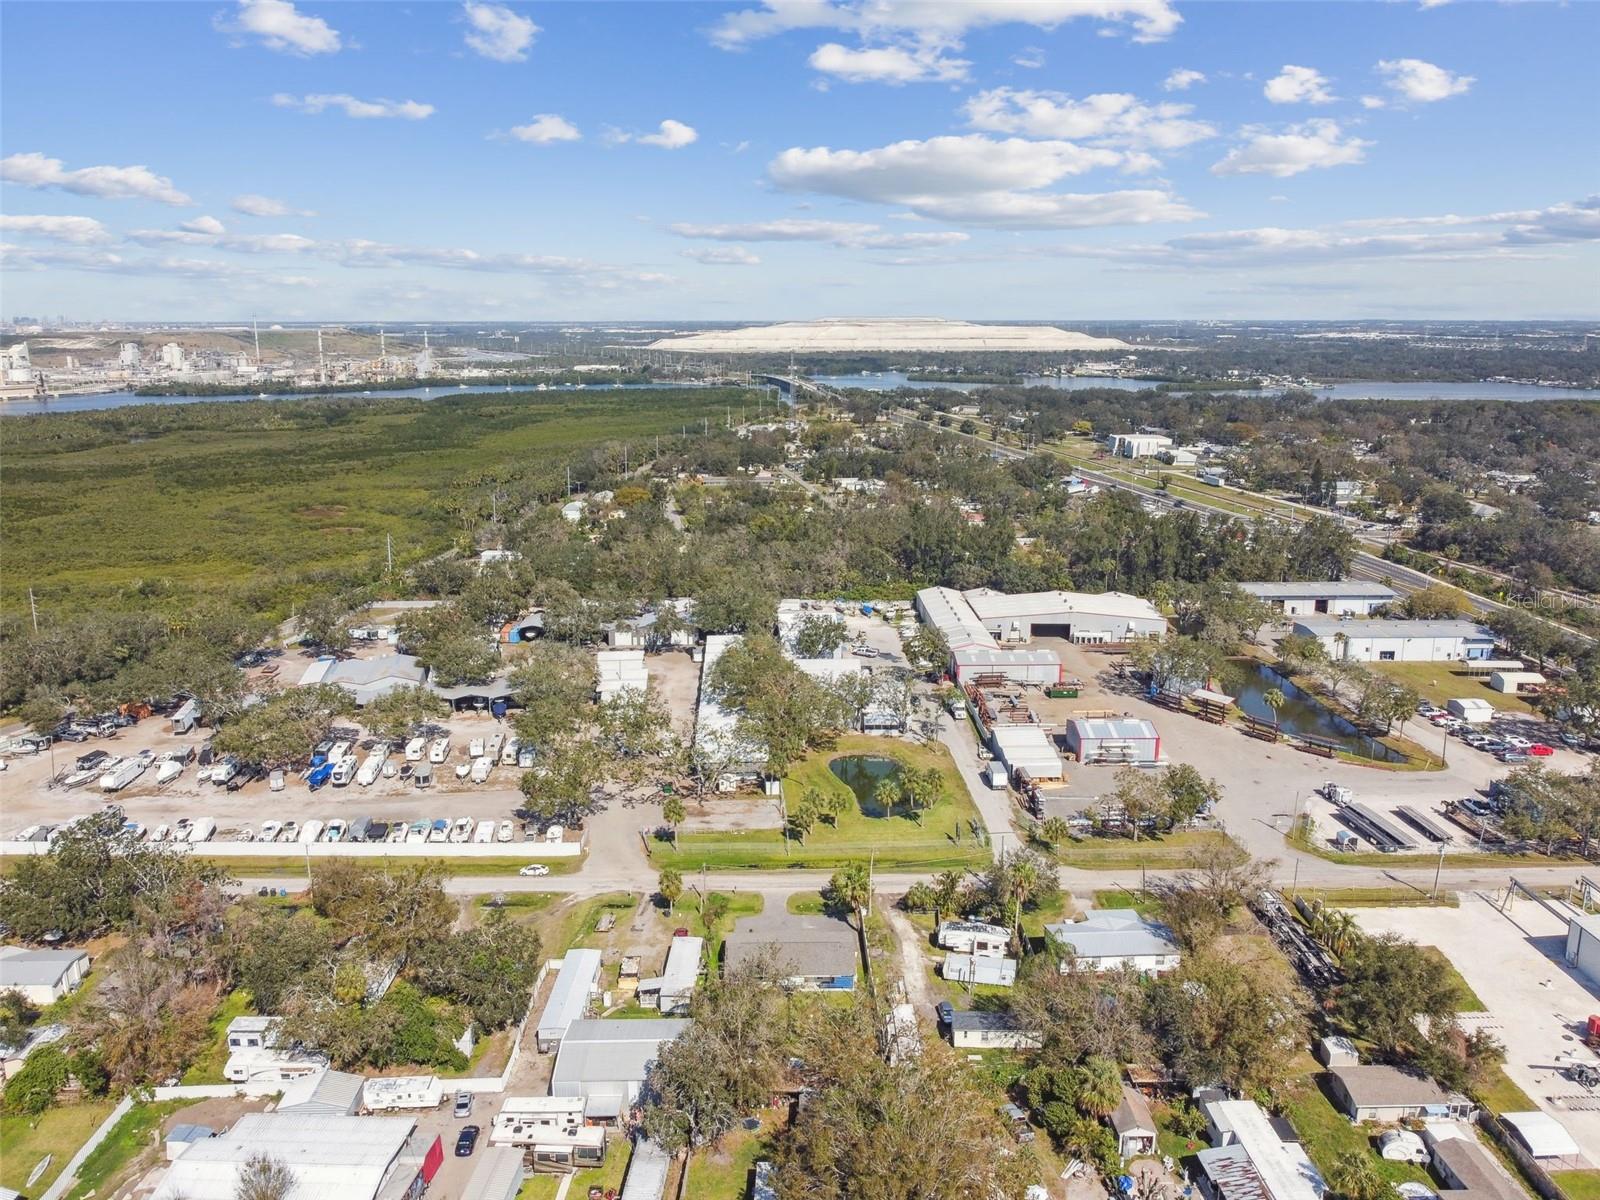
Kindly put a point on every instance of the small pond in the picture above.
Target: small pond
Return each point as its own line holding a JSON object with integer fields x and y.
{"x": 1302, "y": 714}
{"x": 862, "y": 773}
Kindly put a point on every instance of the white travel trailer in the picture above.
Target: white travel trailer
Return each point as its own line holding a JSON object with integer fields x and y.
{"x": 373, "y": 766}
{"x": 415, "y": 749}
{"x": 481, "y": 769}
{"x": 402, "y": 1092}
{"x": 440, "y": 750}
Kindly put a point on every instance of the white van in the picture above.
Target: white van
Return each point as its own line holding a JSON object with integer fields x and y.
{"x": 415, "y": 748}
{"x": 440, "y": 750}
{"x": 481, "y": 768}
{"x": 310, "y": 831}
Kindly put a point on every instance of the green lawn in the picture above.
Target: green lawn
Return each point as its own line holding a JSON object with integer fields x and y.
{"x": 932, "y": 840}
{"x": 1469, "y": 1001}
{"x": 129, "y": 1138}
{"x": 1440, "y": 682}
{"x": 724, "y": 1173}
{"x": 608, "y": 1177}
{"x": 1578, "y": 1185}
{"x": 1328, "y": 1134}
{"x": 1124, "y": 854}
{"x": 57, "y": 1132}
{"x": 208, "y": 1064}
{"x": 740, "y": 904}
{"x": 572, "y": 924}
{"x": 1378, "y": 897}
{"x": 1501, "y": 1095}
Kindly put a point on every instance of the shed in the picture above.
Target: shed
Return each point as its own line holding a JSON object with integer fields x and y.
{"x": 569, "y": 997}
{"x": 1134, "y": 1126}
{"x": 1544, "y": 1137}
{"x": 1473, "y": 709}
{"x": 1041, "y": 667}
{"x": 672, "y": 989}
{"x": 1026, "y": 748}
{"x": 327, "y": 1093}
{"x": 1337, "y": 1051}
{"x": 1113, "y": 740}
{"x": 980, "y": 968}
{"x": 1512, "y": 682}
{"x": 498, "y": 1175}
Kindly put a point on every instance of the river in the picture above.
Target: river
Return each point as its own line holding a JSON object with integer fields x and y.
{"x": 98, "y": 401}
{"x": 885, "y": 381}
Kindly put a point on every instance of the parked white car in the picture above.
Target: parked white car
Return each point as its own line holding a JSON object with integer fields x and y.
{"x": 534, "y": 869}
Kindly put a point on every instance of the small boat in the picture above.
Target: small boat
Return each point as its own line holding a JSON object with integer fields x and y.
{"x": 463, "y": 769}
{"x": 79, "y": 778}
{"x": 167, "y": 772}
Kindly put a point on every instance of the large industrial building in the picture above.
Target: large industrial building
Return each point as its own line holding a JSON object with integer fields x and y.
{"x": 605, "y": 1063}
{"x": 1334, "y": 597}
{"x": 1399, "y": 641}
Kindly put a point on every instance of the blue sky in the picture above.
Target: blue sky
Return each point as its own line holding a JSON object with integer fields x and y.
{"x": 1025, "y": 159}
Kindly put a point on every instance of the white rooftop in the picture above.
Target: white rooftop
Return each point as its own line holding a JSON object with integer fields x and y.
{"x": 1113, "y": 933}
{"x": 332, "y": 1157}
{"x": 1283, "y": 1166}
{"x": 1359, "y": 588}
{"x": 991, "y": 605}
{"x": 569, "y": 998}
{"x": 1544, "y": 1136}
{"x": 1328, "y": 626}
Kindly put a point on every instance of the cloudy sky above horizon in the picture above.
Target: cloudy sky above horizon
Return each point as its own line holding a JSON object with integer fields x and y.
{"x": 769, "y": 159}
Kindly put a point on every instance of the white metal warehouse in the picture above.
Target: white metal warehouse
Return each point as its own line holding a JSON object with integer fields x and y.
{"x": 1114, "y": 740}
{"x": 1026, "y": 748}
{"x": 1072, "y": 616}
{"x": 1334, "y": 597}
{"x": 1399, "y": 641}
{"x": 1040, "y": 667}
{"x": 569, "y": 998}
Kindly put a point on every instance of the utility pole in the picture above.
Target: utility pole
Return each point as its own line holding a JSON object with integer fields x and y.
{"x": 1438, "y": 867}
{"x": 33, "y": 607}
{"x": 388, "y": 539}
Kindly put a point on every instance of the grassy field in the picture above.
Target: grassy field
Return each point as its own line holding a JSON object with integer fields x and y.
{"x": 1398, "y": 896}
{"x": 1123, "y": 854}
{"x": 1501, "y": 1095}
{"x": 1328, "y": 1134}
{"x": 1469, "y": 1001}
{"x": 1578, "y": 1185}
{"x": 923, "y": 841}
{"x": 129, "y": 1139}
{"x": 723, "y": 1172}
{"x": 99, "y": 502}
{"x": 58, "y": 1132}
{"x": 1439, "y": 682}
{"x": 740, "y": 904}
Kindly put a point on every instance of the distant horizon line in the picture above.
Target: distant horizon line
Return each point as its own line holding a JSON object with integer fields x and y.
{"x": 311, "y": 322}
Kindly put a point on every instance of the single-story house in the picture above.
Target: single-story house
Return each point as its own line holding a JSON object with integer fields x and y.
{"x": 1109, "y": 938}
{"x": 1466, "y": 1166}
{"x": 12, "y": 1057}
{"x": 1544, "y": 1138}
{"x": 1251, "y": 1159}
{"x": 576, "y": 981}
{"x": 672, "y": 990}
{"x": 973, "y": 937}
{"x": 817, "y": 952}
{"x": 1134, "y": 1126}
{"x": 325, "y": 1094}
{"x": 605, "y": 1063}
{"x": 42, "y": 976}
{"x": 990, "y": 1031}
{"x": 1113, "y": 740}
{"x": 1399, "y": 641}
{"x": 1383, "y": 1093}
{"x": 368, "y": 678}
{"x": 980, "y": 968}
{"x": 354, "y": 1158}
{"x": 1334, "y": 598}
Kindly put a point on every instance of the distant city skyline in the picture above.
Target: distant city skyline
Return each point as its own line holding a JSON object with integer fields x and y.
{"x": 1063, "y": 160}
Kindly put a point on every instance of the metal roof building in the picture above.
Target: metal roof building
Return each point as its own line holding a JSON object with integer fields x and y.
{"x": 947, "y": 610}
{"x": 1399, "y": 641}
{"x": 569, "y": 998}
{"x": 1544, "y": 1136}
{"x": 1075, "y": 616}
{"x": 43, "y": 976}
{"x": 1334, "y": 597}
{"x": 498, "y": 1175}
{"x": 1251, "y": 1160}
{"x": 332, "y": 1158}
{"x": 674, "y": 987}
{"x": 1113, "y": 740}
{"x": 991, "y": 969}
{"x": 1026, "y": 748}
{"x": 1108, "y": 938}
{"x": 647, "y": 1172}
{"x": 327, "y": 1093}
{"x": 368, "y": 678}
{"x": 816, "y": 951}
{"x": 605, "y": 1062}
{"x": 1042, "y": 667}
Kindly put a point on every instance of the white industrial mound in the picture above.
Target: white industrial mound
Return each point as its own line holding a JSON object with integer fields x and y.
{"x": 845, "y": 334}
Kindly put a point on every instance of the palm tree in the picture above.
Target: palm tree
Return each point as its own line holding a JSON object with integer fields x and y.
{"x": 946, "y": 891}
{"x": 887, "y": 794}
{"x": 674, "y": 814}
{"x": 851, "y": 886}
{"x": 1099, "y": 1087}
{"x": 670, "y": 887}
{"x": 1274, "y": 699}
{"x": 1019, "y": 881}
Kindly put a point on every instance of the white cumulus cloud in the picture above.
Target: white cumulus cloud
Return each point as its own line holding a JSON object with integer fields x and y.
{"x": 546, "y": 128}
{"x": 278, "y": 25}
{"x": 498, "y": 33}
{"x": 252, "y": 205}
{"x": 933, "y": 22}
{"x": 1107, "y": 117}
{"x": 669, "y": 135}
{"x": 209, "y": 225}
{"x": 853, "y": 235}
{"x": 317, "y": 102}
{"x": 1422, "y": 82}
{"x": 1298, "y": 85}
{"x": 1299, "y": 148}
{"x": 1030, "y": 58}
{"x": 975, "y": 180}
{"x": 33, "y": 170}
{"x": 722, "y": 256}
{"x": 76, "y": 231}
{"x": 1182, "y": 79}
{"x": 887, "y": 64}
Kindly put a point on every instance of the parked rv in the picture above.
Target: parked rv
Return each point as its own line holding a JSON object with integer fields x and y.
{"x": 481, "y": 768}
{"x": 440, "y": 750}
{"x": 415, "y": 749}
{"x": 373, "y": 766}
